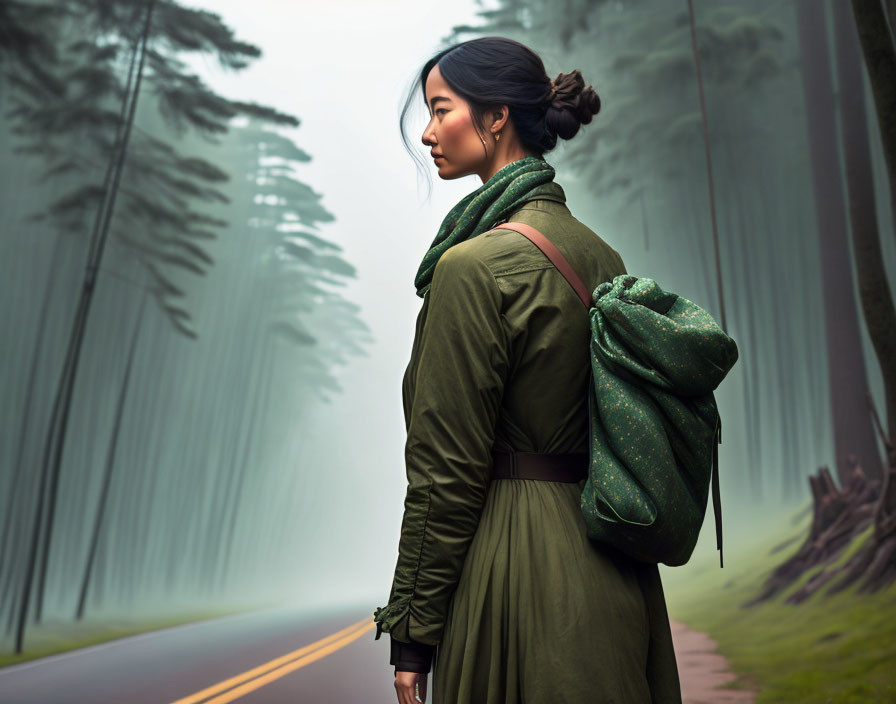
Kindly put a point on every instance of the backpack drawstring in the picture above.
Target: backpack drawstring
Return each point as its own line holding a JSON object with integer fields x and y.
{"x": 716, "y": 498}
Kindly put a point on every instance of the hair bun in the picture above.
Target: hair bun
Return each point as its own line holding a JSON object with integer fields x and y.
{"x": 572, "y": 104}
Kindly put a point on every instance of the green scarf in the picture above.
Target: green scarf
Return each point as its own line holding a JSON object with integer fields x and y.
{"x": 487, "y": 206}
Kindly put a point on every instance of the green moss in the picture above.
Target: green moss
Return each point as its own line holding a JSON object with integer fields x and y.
{"x": 828, "y": 649}
{"x": 857, "y": 542}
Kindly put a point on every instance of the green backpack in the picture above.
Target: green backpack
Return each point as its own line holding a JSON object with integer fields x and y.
{"x": 656, "y": 359}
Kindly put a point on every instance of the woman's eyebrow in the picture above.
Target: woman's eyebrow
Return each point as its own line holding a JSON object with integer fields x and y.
{"x": 432, "y": 101}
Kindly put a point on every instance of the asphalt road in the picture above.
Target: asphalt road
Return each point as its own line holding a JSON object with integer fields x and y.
{"x": 275, "y": 657}
{"x": 266, "y": 657}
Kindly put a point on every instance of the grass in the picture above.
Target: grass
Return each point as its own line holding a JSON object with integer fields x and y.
{"x": 54, "y": 637}
{"x": 827, "y": 650}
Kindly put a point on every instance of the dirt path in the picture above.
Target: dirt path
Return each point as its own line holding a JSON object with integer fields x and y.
{"x": 703, "y": 671}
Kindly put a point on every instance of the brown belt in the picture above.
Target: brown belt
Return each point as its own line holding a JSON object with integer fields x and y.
{"x": 569, "y": 467}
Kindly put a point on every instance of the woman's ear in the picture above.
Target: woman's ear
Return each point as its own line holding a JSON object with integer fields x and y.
{"x": 499, "y": 117}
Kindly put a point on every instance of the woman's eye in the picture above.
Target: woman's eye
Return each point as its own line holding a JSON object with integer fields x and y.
{"x": 438, "y": 110}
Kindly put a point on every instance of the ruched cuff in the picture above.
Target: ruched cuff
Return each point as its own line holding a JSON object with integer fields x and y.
{"x": 388, "y": 617}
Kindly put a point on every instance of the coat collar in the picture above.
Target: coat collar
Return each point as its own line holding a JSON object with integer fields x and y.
{"x": 547, "y": 191}
{"x": 551, "y": 194}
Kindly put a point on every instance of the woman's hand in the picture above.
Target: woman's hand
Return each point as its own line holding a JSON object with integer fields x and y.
{"x": 410, "y": 684}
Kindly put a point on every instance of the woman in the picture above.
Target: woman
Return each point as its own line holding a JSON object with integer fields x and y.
{"x": 497, "y": 588}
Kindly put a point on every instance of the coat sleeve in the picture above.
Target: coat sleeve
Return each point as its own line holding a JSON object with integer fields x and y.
{"x": 411, "y": 657}
{"x": 462, "y": 367}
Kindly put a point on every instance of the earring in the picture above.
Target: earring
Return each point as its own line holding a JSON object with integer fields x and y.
{"x": 497, "y": 136}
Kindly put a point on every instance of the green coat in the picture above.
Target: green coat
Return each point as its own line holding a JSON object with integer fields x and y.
{"x": 500, "y": 575}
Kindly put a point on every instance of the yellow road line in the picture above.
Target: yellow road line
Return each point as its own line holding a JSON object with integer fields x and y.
{"x": 279, "y": 667}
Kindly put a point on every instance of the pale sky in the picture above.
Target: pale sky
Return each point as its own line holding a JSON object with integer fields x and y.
{"x": 343, "y": 67}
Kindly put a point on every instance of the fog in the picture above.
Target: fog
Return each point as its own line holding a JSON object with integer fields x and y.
{"x": 234, "y": 435}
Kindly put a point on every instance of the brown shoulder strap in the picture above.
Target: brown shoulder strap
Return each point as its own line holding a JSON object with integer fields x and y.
{"x": 552, "y": 253}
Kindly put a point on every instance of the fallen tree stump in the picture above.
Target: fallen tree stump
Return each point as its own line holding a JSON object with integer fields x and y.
{"x": 838, "y": 516}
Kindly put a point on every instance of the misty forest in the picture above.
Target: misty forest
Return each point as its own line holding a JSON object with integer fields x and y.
{"x": 196, "y": 422}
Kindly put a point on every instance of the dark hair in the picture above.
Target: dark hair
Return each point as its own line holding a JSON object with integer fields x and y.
{"x": 492, "y": 71}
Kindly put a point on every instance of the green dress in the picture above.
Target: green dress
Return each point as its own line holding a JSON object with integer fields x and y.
{"x": 499, "y": 575}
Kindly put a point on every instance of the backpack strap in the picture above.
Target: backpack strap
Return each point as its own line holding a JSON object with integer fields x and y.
{"x": 559, "y": 261}
{"x": 552, "y": 253}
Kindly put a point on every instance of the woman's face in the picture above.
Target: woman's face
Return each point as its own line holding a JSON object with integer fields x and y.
{"x": 451, "y": 134}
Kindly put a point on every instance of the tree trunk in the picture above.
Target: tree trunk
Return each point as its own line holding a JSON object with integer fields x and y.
{"x": 891, "y": 17}
{"x": 874, "y": 289}
{"x": 840, "y": 515}
{"x": 110, "y": 463}
{"x": 880, "y": 60}
{"x": 712, "y": 199}
{"x": 13, "y": 500}
{"x": 852, "y": 428}
{"x": 64, "y": 394}
{"x": 62, "y": 403}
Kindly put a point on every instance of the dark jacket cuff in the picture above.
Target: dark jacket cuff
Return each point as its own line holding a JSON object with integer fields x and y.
{"x": 411, "y": 657}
